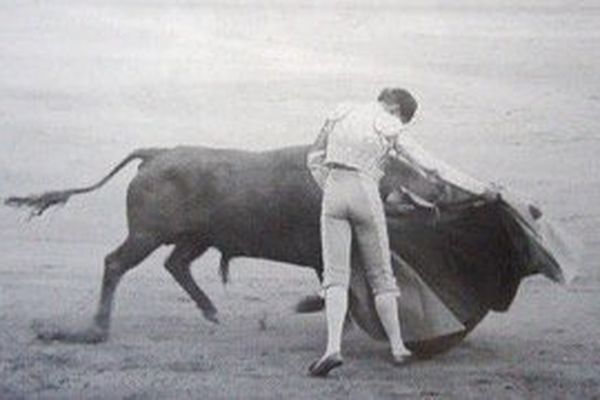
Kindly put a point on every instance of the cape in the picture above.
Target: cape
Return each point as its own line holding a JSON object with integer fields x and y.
{"x": 456, "y": 256}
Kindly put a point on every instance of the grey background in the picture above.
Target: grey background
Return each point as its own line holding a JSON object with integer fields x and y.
{"x": 509, "y": 92}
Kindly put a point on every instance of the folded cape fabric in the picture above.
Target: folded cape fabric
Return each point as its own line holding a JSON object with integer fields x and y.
{"x": 456, "y": 262}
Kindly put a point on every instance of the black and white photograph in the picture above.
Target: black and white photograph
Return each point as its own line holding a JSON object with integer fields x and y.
{"x": 299, "y": 199}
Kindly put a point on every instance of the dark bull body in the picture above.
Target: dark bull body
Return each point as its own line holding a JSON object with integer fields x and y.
{"x": 469, "y": 254}
{"x": 252, "y": 204}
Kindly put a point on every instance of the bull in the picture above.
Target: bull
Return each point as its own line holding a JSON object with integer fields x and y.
{"x": 454, "y": 262}
{"x": 250, "y": 204}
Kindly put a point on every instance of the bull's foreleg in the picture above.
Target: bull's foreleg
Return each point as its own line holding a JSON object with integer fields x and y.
{"x": 178, "y": 265}
{"x": 127, "y": 256}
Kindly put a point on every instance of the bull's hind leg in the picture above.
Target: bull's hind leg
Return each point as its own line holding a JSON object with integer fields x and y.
{"x": 124, "y": 258}
{"x": 132, "y": 252}
{"x": 178, "y": 265}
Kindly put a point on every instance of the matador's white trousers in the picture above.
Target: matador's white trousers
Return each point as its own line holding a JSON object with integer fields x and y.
{"x": 353, "y": 210}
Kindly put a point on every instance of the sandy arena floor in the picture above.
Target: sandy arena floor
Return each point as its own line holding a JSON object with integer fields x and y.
{"x": 509, "y": 93}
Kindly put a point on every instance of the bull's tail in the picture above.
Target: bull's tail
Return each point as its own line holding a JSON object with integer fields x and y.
{"x": 40, "y": 203}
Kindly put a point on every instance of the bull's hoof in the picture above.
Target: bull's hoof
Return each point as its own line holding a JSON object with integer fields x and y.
{"x": 310, "y": 304}
{"x": 211, "y": 315}
{"x": 50, "y": 333}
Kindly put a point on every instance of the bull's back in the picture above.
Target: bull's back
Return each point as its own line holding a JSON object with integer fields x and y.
{"x": 198, "y": 189}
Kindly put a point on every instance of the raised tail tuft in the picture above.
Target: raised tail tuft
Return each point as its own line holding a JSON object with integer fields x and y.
{"x": 39, "y": 203}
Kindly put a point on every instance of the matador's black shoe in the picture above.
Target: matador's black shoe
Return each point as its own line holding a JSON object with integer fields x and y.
{"x": 323, "y": 366}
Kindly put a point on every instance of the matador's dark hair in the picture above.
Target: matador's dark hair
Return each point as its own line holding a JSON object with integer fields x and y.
{"x": 408, "y": 104}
